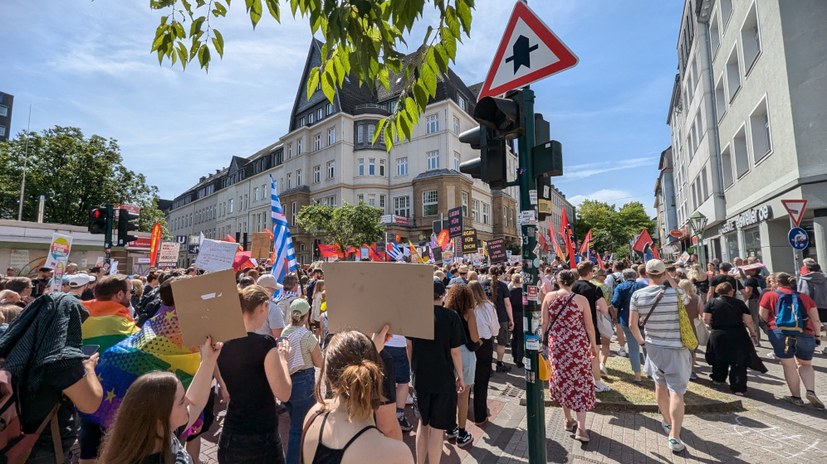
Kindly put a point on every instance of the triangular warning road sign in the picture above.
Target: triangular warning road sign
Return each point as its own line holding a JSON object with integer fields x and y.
{"x": 528, "y": 52}
{"x": 795, "y": 208}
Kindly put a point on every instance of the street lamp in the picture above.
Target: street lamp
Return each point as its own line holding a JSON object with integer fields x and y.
{"x": 698, "y": 224}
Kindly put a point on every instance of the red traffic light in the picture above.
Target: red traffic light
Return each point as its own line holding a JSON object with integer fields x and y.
{"x": 97, "y": 213}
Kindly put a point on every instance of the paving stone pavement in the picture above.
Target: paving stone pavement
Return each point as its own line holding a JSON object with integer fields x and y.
{"x": 768, "y": 430}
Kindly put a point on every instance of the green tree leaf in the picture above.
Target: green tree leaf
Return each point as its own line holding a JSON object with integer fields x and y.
{"x": 218, "y": 42}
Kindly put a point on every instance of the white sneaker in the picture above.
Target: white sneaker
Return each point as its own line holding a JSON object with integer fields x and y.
{"x": 622, "y": 352}
{"x": 600, "y": 387}
{"x": 676, "y": 445}
{"x": 667, "y": 428}
{"x": 603, "y": 369}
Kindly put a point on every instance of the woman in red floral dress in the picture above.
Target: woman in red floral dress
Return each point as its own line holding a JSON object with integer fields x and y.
{"x": 571, "y": 346}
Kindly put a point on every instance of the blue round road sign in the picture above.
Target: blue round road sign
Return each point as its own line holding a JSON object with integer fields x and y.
{"x": 798, "y": 238}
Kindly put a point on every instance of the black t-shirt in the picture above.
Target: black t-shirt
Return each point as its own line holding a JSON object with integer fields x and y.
{"x": 179, "y": 453}
{"x": 726, "y": 312}
{"x": 38, "y": 404}
{"x": 253, "y": 406}
{"x": 431, "y": 363}
{"x": 516, "y": 296}
{"x": 389, "y": 377}
{"x": 756, "y": 282}
{"x": 720, "y": 278}
{"x": 592, "y": 293}
{"x": 702, "y": 286}
{"x": 499, "y": 302}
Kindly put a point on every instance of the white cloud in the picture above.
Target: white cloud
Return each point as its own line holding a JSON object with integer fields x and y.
{"x": 582, "y": 171}
{"x": 615, "y": 197}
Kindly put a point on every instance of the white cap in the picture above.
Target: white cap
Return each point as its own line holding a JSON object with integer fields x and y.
{"x": 79, "y": 280}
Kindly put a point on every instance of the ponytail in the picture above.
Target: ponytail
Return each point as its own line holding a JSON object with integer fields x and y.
{"x": 361, "y": 389}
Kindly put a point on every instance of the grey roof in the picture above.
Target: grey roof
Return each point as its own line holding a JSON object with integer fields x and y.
{"x": 299, "y": 189}
{"x": 437, "y": 173}
{"x": 475, "y": 89}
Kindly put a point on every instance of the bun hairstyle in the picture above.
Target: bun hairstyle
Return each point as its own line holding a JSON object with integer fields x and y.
{"x": 724, "y": 288}
{"x": 252, "y": 297}
{"x": 785, "y": 280}
{"x": 567, "y": 277}
{"x": 352, "y": 370}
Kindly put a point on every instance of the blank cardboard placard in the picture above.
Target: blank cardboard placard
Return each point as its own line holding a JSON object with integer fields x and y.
{"x": 261, "y": 245}
{"x": 208, "y": 305}
{"x": 364, "y": 295}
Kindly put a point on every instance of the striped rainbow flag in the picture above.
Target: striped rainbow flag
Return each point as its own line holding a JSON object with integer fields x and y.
{"x": 108, "y": 323}
{"x": 158, "y": 346}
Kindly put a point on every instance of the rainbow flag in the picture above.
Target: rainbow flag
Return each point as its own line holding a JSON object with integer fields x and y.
{"x": 108, "y": 323}
{"x": 158, "y": 346}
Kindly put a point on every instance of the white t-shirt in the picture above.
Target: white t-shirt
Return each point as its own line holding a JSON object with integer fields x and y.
{"x": 397, "y": 341}
{"x": 487, "y": 324}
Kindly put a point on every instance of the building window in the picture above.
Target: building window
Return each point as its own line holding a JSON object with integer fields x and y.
{"x": 402, "y": 167}
{"x": 750, "y": 39}
{"x": 455, "y": 127}
{"x": 293, "y": 210}
{"x": 301, "y": 121}
{"x": 475, "y": 210}
{"x": 299, "y": 177}
{"x": 714, "y": 34}
{"x": 299, "y": 147}
{"x": 382, "y": 168}
{"x": 726, "y": 12}
{"x": 311, "y": 118}
{"x": 331, "y": 169}
{"x": 382, "y": 202}
{"x": 361, "y": 164}
{"x": 4, "y": 111}
{"x": 739, "y": 146}
{"x": 255, "y": 194}
{"x": 433, "y": 160}
{"x": 704, "y": 184}
{"x": 456, "y": 161}
{"x": 231, "y": 205}
{"x": 331, "y": 136}
{"x": 289, "y": 180}
{"x": 360, "y": 133}
{"x": 720, "y": 98}
{"x": 464, "y": 196}
{"x": 372, "y": 166}
{"x": 486, "y": 213}
{"x": 432, "y": 124}
{"x": 329, "y": 108}
{"x": 733, "y": 74}
{"x": 320, "y": 114}
{"x": 402, "y": 206}
{"x": 430, "y": 203}
{"x": 462, "y": 102}
{"x": 317, "y": 142}
{"x": 372, "y": 199}
{"x": 759, "y": 123}
{"x": 289, "y": 150}
{"x": 317, "y": 174}
{"x": 360, "y": 198}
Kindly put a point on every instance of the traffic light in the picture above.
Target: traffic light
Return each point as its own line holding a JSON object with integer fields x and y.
{"x": 98, "y": 219}
{"x": 126, "y": 222}
{"x": 490, "y": 167}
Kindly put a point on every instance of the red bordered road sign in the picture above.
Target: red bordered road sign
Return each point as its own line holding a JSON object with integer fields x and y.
{"x": 796, "y": 209}
{"x": 528, "y": 52}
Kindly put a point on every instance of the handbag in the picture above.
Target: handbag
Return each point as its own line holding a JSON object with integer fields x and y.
{"x": 688, "y": 338}
{"x": 702, "y": 332}
{"x": 543, "y": 367}
{"x": 604, "y": 325}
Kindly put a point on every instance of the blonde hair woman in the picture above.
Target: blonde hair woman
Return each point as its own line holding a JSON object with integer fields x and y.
{"x": 693, "y": 309}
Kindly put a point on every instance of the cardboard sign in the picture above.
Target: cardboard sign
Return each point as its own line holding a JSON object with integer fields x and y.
{"x": 58, "y": 250}
{"x": 455, "y": 222}
{"x": 215, "y": 255}
{"x": 208, "y": 305}
{"x": 533, "y": 293}
{"x": 364, "y": 295}
{"x": 168, "y": 255}
{"x": 496, "y": 250}
{"x": 261, "y": 245}
{"x": 469, "y": 241}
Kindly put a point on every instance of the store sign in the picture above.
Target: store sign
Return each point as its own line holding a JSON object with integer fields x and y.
{"x": 748, "y": 218}
{"x": 394, "y": 220}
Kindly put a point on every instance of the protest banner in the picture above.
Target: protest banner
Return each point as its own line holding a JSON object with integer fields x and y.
{"x": 469, "y": 241}
{"x": 168, "y": 255}
{"x": 208, "y": 305}
{"x": 58, "y": 258}
{"x": 261, "y": 245}
{"x": 215, "y": 255}
{"x": 361, "y": 292}
{"x": 455, "y": 222}
{"x": 496, "y": 250}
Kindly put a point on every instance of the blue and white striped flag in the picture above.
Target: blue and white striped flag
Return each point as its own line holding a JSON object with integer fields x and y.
{"x": 394, "y": 252}
{"x": 285, "y": 256}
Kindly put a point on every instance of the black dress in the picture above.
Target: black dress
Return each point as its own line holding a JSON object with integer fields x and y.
{"x": 729, "y": 347}
{"x": 517, "y": 346}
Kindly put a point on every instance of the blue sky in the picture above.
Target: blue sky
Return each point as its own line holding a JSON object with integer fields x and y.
{"x": 87, "y": 64}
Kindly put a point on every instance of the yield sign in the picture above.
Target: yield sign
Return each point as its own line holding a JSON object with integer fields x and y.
{"x": 795, "y": 208}
{"x": 528, "y": 52}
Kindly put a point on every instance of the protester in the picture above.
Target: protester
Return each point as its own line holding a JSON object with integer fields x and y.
{"x": 9, "y": 297}
{"x": 462, "y": 278}
{"x": 305, "y": 355}
{"x": 599, "y": 281}
{"x": 700, "y": 280}
{"x": 461, "y": 299}
{"x": 41, "y": 283}
{"x": 291, "y": 289}
{"x": 487, "y": 327}
{"x": 274, "y": 322}
{"x": 786, "y": 346}
{"x": 317, "y": 275}
{"x": 11, "y": 271}
{"x": 724, "y": 275}
{"x": 316, "y": 306}
{"x": 729, "y": 346}
{"x": 8, "y": 313}
{"x": 621, "y": 300}
{"x": 154, "y": 407}
{"x": 655, "y": 309}
{"x": 641, "y": 272}
{"x": 516, "y": 298}
{"x": 436, "y": 366}
{"x": 256, "y": 372}
{"x": 397, "y": 349}
{"x": 754, "y": 285}
{"x": 137, "y": 293}
{"x": 22, "y": 286}
{"x": 570, "y": 337}
{"x": 347, "y": 433}
{"x": 693, "y": 310}
{"x": 814, "y": 284}
{"x": 583, "y": 286}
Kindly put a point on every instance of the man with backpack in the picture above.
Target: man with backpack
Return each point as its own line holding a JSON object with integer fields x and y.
{"x": 814, "y": 284}
{"x": 793, "y": 330}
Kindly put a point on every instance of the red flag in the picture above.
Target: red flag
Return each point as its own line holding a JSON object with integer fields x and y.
{"x": 229, "y": 238}
{"x": 600, "y": 262}
{"x": 443, "y": 238}
{"x": 565, "y": 231}
{"x": 584, "y": 248}
{"x": 556, "y": 245}
{"x": 328, "y": 251}
{"x": 375, "y": 255}
{"x": 642, "y": 240}
{"x": 154, "y": 244}
{"x": 655, "y": 253}
{"x": 541, "y": 239}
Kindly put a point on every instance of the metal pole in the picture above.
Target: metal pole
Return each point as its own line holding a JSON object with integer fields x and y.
{"x": 40, "y": 207}
{"x": 535, "y": 397}
{"x": 25, "y": 167}
{"x": 796, "y": 264}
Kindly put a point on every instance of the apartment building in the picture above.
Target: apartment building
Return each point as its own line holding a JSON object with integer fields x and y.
{"x": 328, "y": 157}
{"x": 6, "y": 106}
{"x": 747, "y": 117}
{"x": 666, "y": 217}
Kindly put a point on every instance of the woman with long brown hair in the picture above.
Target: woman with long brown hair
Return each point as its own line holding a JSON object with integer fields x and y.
{"x": 154, "y": 407}
{"x": 352, "y": 376}
{"x": 461, "y": 299}
{"x": 487, "y": 328}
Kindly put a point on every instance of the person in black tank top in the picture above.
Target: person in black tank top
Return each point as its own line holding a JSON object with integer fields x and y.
{"x": 352, "y": 371}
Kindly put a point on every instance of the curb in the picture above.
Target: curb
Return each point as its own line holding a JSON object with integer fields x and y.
{"x": 718, "y": 406}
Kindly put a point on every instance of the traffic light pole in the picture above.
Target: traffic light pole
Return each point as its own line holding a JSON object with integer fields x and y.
{"x": 107, "y": 238}
{"x": 535, "y": 397}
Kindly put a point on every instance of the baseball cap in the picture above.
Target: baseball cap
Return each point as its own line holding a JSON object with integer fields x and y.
{"x": 300, "y": 306}
{"x": 655, "y": 267}
{"x": 269, "y": 281}
{"x": 78, "y": 280}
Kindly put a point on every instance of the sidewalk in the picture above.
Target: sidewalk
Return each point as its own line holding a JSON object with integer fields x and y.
{"x": 768, "y": 430}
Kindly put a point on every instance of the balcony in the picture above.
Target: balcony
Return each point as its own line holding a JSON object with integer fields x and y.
{"x": 370, "y": 108}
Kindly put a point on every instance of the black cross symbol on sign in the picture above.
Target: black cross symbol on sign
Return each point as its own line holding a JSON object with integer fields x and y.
{"x": 521, "y": 53}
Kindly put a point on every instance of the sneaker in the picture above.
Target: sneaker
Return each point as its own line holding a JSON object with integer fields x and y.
{"x": 824, "y": 351}
{"x": 667, "y": 428}
{"x": 600, "y": 387}
{"x": 503, "y": 368}
{"x": 404, "y": 424}
{"x": 603, "y": 369}
{"x": 464, "y": 438}
{"x": 813, "y": 399}
{"x": 676, "y": 445}
{"x": 794, "y": 400}
{"x": 622, "y": 352}
{"x": 452, "y": 433}
{"x": 693, "y": 376}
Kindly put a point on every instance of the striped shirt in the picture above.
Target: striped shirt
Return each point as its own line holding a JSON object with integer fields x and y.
{"x": 663, "y": 327}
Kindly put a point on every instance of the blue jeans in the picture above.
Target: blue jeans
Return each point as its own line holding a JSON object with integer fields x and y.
{"x": 634, "y": 348}
{"x": 301, "y": 400}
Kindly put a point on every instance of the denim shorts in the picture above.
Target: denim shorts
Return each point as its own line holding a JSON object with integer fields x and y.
{"x": 469, "y": 365}
{"x": 784, "y": 347}
{"x": 400, "y": 363}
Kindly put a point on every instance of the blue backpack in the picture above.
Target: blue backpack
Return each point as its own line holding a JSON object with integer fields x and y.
{"x": 790, "y": 316}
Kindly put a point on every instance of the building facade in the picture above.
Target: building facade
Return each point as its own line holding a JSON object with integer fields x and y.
{"x": 667, "y": 214}
{"x": 6, "y": 106}
{"x": 747, "y": 118}
{"x": 328, "y": 157}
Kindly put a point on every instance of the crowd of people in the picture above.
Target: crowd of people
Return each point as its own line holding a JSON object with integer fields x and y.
{"x": 345, "y": 396}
